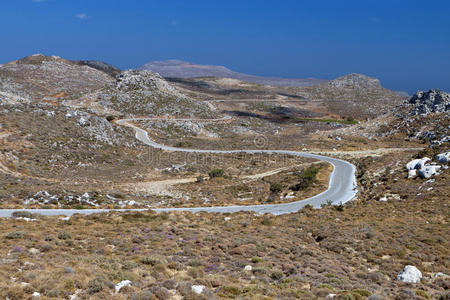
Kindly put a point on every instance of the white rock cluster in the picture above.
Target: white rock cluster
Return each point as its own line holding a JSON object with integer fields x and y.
{"x": 443, "y": 157}
{"x": 424, "y": 167}
{"x": 433, "y": 101}
{"x": 410, "y": 274}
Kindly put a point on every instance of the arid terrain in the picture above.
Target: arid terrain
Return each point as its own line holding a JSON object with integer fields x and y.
{"x": 62, "y": 146}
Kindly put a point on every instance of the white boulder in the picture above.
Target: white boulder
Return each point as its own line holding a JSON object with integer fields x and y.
{"x": 443, "y": 157}
{"x": 428, "y": 171}
{"x": 248, "y": 268}
{"x": 417, "y": 163}
{"x": 412, "y": 173}
{"x": 122, "y": 284}
{"x": 198, "y": 289}
{"x": 410, "y": 274}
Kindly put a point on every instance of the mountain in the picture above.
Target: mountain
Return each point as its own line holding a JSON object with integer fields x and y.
{"x": 182, "y": 69}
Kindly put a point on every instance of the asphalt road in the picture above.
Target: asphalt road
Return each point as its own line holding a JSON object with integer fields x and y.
{"x": 341, "y": 189}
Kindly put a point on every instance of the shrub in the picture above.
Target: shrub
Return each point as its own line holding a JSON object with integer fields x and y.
{"x": 95, "y": 285}
{"x": 153, "y": 260}
{"x": 14, "y": 235}
{"x": 22, "y": 214}
{"x": 256, "y": 259}
{"x": 306, "y": 179}
{"x": 266, "y": 221}
{"x": 200, "y": 178}
{"x": 216, "y": 173}
{"x": 110, "y": 118}
{"x": 64, "y": 236}
{"x": 276, "y": 187}
{"x": 277, "y": 275}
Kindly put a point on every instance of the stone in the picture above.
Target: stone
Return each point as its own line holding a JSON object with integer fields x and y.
{"x": 443, "y": 157}
{"x": 248, "y": 268}
{"x": 433, "y": 101}
{"x": 122, "y": 284}
{"x": 410, "y": 274}
{"x": 83, "y": 122}
{"x": 412, "y": 173}
{"x": 428, "y": 171}
{"x": 417, "y": 163}
{"x": 198, "y": 289}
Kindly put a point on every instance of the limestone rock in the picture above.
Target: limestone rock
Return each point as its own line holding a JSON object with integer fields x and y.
{"x": 410, "y": 274}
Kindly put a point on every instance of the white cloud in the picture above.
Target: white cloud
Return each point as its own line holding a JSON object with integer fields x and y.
{"x": 81, "y": 16}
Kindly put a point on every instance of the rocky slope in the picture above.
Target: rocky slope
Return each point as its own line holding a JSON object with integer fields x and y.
{"x": 147, "y": 93}
{"x": 181, "y": 69}
{"x": 50, "y": 78}
{"x": 355, "y": 95}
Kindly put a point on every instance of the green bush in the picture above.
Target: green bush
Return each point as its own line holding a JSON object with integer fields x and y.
{"x": 14, "y": 235}
{"x": 306, "y": 179}
{"x": 216, "y": 173}
{"x": 276, "y": 187}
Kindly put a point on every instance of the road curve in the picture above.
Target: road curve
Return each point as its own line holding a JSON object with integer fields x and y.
{"x": 342, "y": 185}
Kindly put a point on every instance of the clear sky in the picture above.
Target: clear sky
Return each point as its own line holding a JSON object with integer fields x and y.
{"x": 406, "y": 44}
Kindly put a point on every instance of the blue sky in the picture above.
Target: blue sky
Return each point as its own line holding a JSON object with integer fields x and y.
{"x": 404, "y": 43}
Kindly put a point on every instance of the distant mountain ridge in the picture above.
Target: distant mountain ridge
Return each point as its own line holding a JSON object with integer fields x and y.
{"x": 181, "y": 69}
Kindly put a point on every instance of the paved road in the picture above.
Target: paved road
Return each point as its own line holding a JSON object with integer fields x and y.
{"x": 342, "y": 185}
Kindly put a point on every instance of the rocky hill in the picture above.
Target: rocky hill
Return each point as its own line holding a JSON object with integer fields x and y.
{"x": 356, "y": 95}
{"x": 147, "y": 93}
{"x": 181, "y": 69}
{"x": 49, "y": 78}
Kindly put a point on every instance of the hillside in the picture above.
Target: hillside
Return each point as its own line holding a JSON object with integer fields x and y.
{"x": 356, "y": 95}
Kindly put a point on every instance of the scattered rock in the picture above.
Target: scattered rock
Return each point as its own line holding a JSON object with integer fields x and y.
{"x": 198, "y": 289}
{"x": 410, "y": 274}
{"x": 248, "y": 268}
{"x": 443, "y": 157}
{"x": 428, "y": 171}
{"x": 33, "y": 251}
{"x": 122, "y": 284}
{"x": 417, "y": 163}
{"x": 433, "y": 101}
{"x": 412, "y": 173}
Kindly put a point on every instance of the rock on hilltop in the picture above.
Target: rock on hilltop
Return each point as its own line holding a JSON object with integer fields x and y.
{"x": 433, "y": 101}
{"x": 52, "y": 78}
{"x": 356, "y": 95}
{"x": 357, "y": 81}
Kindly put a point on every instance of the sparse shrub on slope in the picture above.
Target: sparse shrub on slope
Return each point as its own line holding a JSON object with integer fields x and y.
{"x": 306, "y": 179}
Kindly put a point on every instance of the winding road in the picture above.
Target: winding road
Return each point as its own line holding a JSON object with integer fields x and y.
{"x": 342, "y": 185}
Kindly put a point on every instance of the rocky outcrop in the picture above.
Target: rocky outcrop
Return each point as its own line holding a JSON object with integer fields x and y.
{"x": 433, "y": 101}
{"x": 358, "y": 81}
{"x": 417, "y": 164}
{"x": 428, "y": 171}
{"x": 410, "y": 274}
{"x": 443, "y": 157}
{"x": 419, "y": 167}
